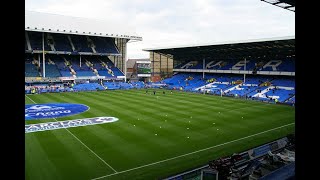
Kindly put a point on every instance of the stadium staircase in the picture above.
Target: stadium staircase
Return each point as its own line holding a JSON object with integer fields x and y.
{"x": 84, "y": 70}
{"x": 28, "y": 42}
{"x": 109, "y": 71}
{"x": 262, "y": 93}
{"x": 50, "y": 42}
{"x": 281, "y": 94}
{"x": 266, "y": 88}
{"x": 104, "y": 45}
{"x": 80, "y": 43}
{"x": 61, "y": 43}
{"x": 69, "y": 65}
{"x": 91, "y": 66}
{"x": 36, "y": 63}
{"x": 232, "y": 88}
{"x": 61, "y": 65}
{"x": 97, "y": 67}
{"x": 71, "y": 43}
{"x": 91, "y": 44}
{"x": 291, "y": 100}
{"x": 244, "y": 89}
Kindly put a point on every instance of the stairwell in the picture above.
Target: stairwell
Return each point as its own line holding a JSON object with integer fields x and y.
{"x": 108, "y": 69}
{"x": 262, "y": 93}
{"x": 37, "y": 65}
{"x": 251, "y": 91}
{"x": 28, "y": 41}
{"x": 101, "y": 83}
{"x": 232, "y": 88}
{"x": 50, "y": 61}
{"x": 72, "y": 46}
{"x": 90, "y": 65}
{"x": 51, "y": 42}
{"x": 204, "y": 86}
{"x": 91, "y": 44}
{"x": 68, "y": 64}
{"x": 289, "y": 98}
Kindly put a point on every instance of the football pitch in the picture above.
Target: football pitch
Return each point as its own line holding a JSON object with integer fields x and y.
{"x": 156, "y": 135}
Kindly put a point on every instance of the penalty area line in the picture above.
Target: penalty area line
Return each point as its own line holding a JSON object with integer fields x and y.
{"x": 165, "y": 160}
{"x": 82, "y": 143}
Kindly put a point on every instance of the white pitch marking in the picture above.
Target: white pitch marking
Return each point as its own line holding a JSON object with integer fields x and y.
{"x": 82, "y": 143}
{"x": 165, "y": 160}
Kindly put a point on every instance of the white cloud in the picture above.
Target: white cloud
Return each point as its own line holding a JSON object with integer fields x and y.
{"x": 180, "y": 22}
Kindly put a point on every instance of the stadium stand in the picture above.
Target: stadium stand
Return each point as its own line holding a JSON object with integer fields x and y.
{"x": 104, "y": 45}
{"x": 66, "y": 66}
{"x": 36, "y": 42}
{"x": 266, "y": 88}
{"x": 61, "y": 42}
{"x": 286, "y": 65}
{"x": 31, "y": 70}
{"x": 80, "y": 43}
{"x": 85, "y": 62}
{"x": 273, "y": 160}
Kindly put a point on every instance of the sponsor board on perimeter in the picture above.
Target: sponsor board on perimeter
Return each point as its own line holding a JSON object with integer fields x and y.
{"x": 68, "y": 124}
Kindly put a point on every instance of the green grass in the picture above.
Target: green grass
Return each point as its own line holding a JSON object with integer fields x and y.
{"x": 133, "y": 151}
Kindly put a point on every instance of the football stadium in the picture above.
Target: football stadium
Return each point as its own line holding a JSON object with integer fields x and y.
{"x": 202, "y": 111}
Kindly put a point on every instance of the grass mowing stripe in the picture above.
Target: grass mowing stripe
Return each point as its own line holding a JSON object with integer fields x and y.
{"x": 155, "y": 116}
{"x": 46, "y": 170}
{"x": 93, "y": 96}
{"x": 196, "y": 102}
{"x": 111, "y": 141}
{"x": 194, "y": 152}
{"x": 140, "y": 132}
{"x": 82, "y": 143}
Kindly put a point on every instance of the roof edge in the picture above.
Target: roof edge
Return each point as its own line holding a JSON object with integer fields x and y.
{"x": 222, "y": 43}
{"x": 37, "y": 21}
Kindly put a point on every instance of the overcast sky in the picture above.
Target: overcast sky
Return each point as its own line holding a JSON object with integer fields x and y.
{"x": 180, "y": 22}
